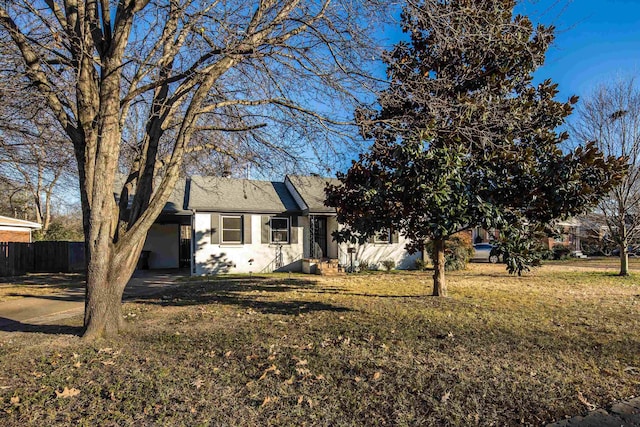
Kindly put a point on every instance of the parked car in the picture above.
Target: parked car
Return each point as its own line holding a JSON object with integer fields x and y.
{"x": 633, "y": 251}
{"x": 485, "y": 252}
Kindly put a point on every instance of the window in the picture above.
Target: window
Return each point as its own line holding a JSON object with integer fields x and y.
{"x": 279, "y": 230}
{"x": 383, "y": 236}
{"x": 232, "y": 229}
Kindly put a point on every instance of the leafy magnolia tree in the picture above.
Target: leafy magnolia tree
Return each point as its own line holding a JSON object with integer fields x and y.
{"x": 610, "y": 117}
{"x": 142, "y": 85}
{"x": 462, "y": 138}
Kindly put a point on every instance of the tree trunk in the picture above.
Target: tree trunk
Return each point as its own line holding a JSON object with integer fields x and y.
{"x": 106, "y": 281}
{"x": 624, "y": 260}
{"x": 102, "y": 313}
{"x": 439, "y": 283}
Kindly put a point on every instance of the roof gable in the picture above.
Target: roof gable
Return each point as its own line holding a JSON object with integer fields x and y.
{"x": 311, "y": 191}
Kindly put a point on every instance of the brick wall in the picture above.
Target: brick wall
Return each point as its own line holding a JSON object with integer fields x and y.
{"x": 15, "y": 236}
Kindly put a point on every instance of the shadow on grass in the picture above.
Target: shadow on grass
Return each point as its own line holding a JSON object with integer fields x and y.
{"x": 243, "y": 292}
{"x": 9, "y": 325}
{"x": 47, "y": 280}
{"x": 71, "y": 297}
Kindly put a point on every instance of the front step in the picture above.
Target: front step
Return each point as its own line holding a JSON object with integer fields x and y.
{"x": 578, "y": 254}
{"x": 329, "y": 267}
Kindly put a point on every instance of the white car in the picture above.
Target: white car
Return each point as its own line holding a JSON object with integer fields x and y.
{"x": 483, "y": 253}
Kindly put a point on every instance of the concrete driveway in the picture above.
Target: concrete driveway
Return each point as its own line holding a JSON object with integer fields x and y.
{"x": 20, "y": 314}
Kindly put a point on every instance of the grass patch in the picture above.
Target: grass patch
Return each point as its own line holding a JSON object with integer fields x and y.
{"x": 356, "y": 350}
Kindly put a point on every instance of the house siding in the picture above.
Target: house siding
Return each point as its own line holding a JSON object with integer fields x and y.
{"x": 163, "y": 244}
{"x": 217, "y": 258}
{"x": 372, "y": 254}
{"x": 15, "y": 235}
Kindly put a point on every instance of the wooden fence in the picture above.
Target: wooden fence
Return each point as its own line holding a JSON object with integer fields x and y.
{"x": 41, "y": 257}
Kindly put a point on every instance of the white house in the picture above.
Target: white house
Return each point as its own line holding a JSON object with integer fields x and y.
{"x": 226, "y": 225}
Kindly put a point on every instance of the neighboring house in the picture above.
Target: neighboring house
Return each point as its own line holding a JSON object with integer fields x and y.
{"x": 570, "y": 231}
{"x": 227, "y": 225}
{"x": 17, "y": 230}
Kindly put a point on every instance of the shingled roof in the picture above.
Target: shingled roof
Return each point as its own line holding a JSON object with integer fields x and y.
{"x": 310, "y": 190}
{"x": 239, "y": 195}
{"x": 177, "y": 204}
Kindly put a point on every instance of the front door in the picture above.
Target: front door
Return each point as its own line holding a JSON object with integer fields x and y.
{"x": 185, "y": 246}
{"x": 318, "y": 236}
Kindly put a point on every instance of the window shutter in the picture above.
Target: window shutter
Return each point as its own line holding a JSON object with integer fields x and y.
{"x": 215, "y": 229}
{"x": 394, "y": 236}
{"x": 265, "y": 229}
{"x": 246, "y": 229}
{"x": 293, "y": 230}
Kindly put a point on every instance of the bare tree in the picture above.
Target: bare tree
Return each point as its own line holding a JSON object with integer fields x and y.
{"x": 265, "y": 77}
{"x": 36, "y": 160}
{"x": 36, "y": 157}
{"x": 610, "y": 116}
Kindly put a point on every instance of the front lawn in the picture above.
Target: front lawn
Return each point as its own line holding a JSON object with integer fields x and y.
{"x": 356, "y": 350}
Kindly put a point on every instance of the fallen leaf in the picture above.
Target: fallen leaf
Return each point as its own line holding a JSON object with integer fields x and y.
{"x": 310, "y": 402}
{"x": 228, "y": 354}
{"x": 198, "y": 383}
{"x": 302, "y": 362}
{"x": 585, "y": 402}
{"x": 107, "y": 350}
{"x": 267, "y": 400}
{"x": 15, "y": 400}
{"x": 77, "y": 365}
{"x": 271, "y": 368}
{"x": 377, "y": 376}
{"x": 303, "y": 371}
{"x": 357, "y": 379}
{"x": 320, "y": 377}
{"x": 108, "y": 362}
{"x": 445, "y": 397}
{"x": 300, "y": 399}
{"x": 272, "y": 357}
{"x": 67, "y": 392}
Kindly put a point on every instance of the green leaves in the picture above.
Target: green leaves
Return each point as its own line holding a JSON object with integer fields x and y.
{"x": 463, "y": 138}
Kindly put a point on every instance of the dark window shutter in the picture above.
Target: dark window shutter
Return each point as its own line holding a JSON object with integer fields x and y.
{"x": 215, "y": 229}
{"x": 246, "y": 229}
{"x": 266, "y": 229}
{"x": 394, "y": 236}
{"x": 293, "y": 230}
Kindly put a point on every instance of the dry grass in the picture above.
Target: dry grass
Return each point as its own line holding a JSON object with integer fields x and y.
{"x": 357, "y": 350}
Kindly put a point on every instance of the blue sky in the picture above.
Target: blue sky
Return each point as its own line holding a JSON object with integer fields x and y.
{"x": 596, "y": 41}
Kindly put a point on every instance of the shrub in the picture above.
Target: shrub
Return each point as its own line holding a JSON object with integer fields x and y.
{"x": 389, "y": 264}
{"x": 419, "y": 264}
{"x": 458, "y": 251}
{"x": 365, "y": 265}
{"x": 561, "y": 252}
